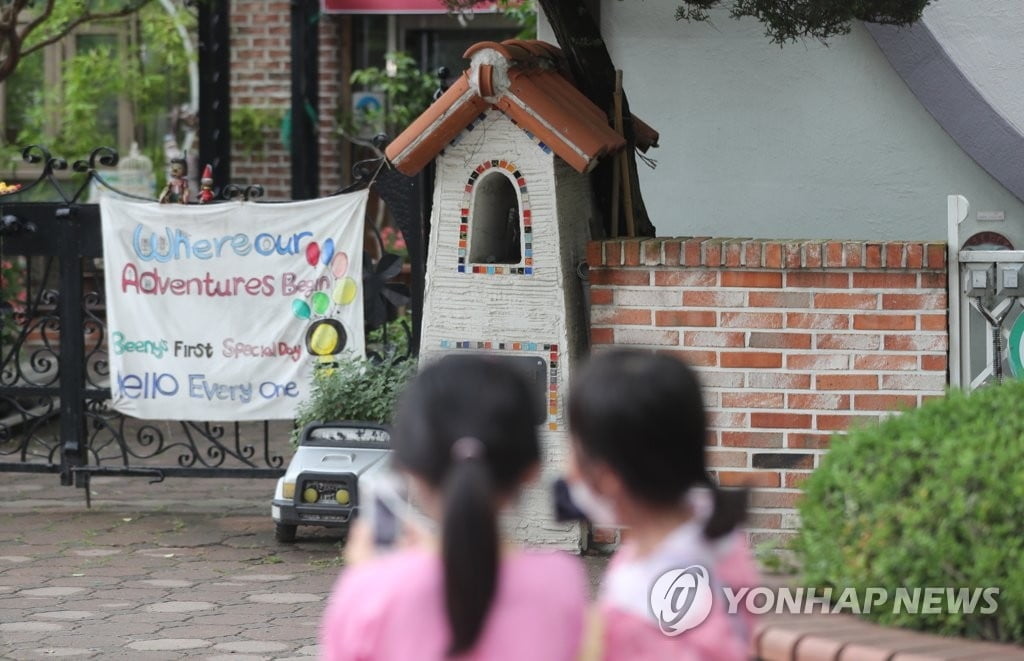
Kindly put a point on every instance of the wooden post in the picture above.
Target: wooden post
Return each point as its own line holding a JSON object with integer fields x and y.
{"x": 617, "y": 162}
{"x": 620, "y": 168}
{"x": 579, "y": 36}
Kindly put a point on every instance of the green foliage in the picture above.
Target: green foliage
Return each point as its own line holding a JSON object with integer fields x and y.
{"x": 250, "y": 127}
{"x": 67, "y": 14}
{"x": 933, "y": 497}
{"x": 407, "y": 91}
{"x": 524, "y": 13}
{"x": 150, "y": 73}
{"x": 784, "y": 20}
{"x": 357, "y": 390}
{"x": 774, "y": 560}
{"x": 799, "y": 19}
{"x": 392, "y": 339}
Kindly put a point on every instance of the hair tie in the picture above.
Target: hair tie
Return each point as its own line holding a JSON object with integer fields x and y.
{"x": 467, "y": 448}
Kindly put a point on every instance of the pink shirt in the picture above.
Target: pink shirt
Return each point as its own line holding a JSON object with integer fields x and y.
{"x": 392, "y": 609}
{"x": 630, "y": 630}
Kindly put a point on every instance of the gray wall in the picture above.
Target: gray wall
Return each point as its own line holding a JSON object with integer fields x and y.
{"x": 806, "y": 141}
{"x": 983, "y": 37}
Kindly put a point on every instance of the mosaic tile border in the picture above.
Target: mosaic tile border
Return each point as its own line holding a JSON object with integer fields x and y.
{"x": 524, "y": 347}
{"x": 482, "y": 116}
{"x": 472, "y": 125}
{"x": 526, "y": 266}
{"x": 540, "y": 143}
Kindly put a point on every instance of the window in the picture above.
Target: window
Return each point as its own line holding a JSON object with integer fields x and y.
{"x": 495, "y": 235}
{"x": 34, "y": 103}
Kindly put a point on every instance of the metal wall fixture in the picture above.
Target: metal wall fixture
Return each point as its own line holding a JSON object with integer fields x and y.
{"x": 986, "y": 289}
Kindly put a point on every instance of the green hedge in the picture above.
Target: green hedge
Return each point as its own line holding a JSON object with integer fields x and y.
{"x": 933, "y": 497}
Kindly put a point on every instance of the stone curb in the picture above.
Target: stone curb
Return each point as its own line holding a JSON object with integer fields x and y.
{"x": 847, "y": 638}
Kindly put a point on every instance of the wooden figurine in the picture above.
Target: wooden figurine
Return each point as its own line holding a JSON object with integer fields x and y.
{"x": 206, "y": 185}
{"x": 176, "y": 190}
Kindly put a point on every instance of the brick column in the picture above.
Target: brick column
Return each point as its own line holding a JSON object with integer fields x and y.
{"x": 794, "y": 341}
{"x": 261, "y": 78}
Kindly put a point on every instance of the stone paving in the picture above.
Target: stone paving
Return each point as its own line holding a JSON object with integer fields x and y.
{"x": 185, "y": 568}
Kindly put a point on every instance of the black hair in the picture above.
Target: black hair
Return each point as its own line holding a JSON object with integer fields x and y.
{"x": 643, "y": 415}
{"x": 484, "y": 400}
{"x": 182, "y": 162}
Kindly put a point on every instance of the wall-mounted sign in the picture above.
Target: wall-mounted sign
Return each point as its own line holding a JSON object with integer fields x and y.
{"x": 392, "y": 7}
{"x": 367, "y": 102}
{"x": 1016, "y": 347}
{"x": 368, "y": 113}
{"x": 223, "y": 311}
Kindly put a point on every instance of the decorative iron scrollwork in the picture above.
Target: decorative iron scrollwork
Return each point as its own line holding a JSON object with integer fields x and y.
{"x": 105, "y": 156}
{"x": 31, "y": 354}
{"x": 247, "y": 193}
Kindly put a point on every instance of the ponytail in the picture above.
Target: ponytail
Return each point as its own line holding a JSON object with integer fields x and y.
{"x": 469, "y": 550}
{"x": 464, "y": 427}
{"x": 729, "y": 510}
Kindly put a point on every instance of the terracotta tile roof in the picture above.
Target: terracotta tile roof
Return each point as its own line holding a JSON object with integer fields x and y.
{"x": 528, "y": 81}
{"x": 424, "y": 139}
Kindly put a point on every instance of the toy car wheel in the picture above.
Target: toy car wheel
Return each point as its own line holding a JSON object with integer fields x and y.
{"x": 284, "y": 533}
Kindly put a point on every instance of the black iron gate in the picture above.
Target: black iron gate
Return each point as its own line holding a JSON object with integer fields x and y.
{"x": 54, "y": 374}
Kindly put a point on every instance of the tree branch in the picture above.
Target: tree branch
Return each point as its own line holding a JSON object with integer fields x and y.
{"x": 11, "y": 13}
{"x": 38, "y": 20}
{"x": 9, "y": 33}
{"x": 791, "y": 21}
{"x": 86, "y": 17}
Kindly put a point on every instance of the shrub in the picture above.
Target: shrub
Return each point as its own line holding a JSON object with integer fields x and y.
{"x": 357, "y": 390}
{"x": 931, "y": 498}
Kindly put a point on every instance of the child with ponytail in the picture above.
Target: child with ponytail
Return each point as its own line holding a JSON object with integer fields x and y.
{"x": 465, "y": 437}
{"x": 638, "y": 430}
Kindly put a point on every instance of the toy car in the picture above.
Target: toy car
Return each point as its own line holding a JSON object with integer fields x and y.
{"x": 321, "y": 485}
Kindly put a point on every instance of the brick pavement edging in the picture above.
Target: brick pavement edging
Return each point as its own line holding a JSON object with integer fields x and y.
{"x": 848, "y": 638}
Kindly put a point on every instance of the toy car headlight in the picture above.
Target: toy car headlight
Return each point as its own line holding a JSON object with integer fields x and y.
{"x": 343, "y": 496}
{"x": 288, "y": 490}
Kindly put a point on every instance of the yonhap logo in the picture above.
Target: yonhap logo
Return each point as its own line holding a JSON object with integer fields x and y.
{"x": 681, "y": 599}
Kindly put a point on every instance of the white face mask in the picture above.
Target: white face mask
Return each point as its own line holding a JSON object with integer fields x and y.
{"x": 598, "y": 509}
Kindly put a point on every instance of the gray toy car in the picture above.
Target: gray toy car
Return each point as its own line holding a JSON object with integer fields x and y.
{"x": 321, "y": 485}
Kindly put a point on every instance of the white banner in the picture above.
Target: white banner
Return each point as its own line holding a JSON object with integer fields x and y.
{"x": 220, "y": 312}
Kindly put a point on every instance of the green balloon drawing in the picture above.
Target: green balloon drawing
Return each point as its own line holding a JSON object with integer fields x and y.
{"x": 320, "y": 302}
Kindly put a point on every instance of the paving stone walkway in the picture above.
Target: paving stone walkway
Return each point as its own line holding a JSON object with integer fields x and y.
{"x": 185, "y": 568}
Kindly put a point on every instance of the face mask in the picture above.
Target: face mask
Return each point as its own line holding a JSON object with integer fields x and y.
{"x": 598, "y": 509}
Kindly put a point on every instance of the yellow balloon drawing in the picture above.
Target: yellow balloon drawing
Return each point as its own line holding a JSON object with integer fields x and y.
{"x": 324, "y": 341}
{"x": 345, "y": 291}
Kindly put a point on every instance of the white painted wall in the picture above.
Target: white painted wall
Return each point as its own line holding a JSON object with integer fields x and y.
{"x": 806, "y": 141}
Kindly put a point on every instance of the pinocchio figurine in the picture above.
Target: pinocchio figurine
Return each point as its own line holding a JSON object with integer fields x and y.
{"x": 206, "y": 185}
{"x": 176, "y": 189}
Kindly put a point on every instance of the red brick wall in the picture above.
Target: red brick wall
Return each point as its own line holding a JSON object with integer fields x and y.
{"x": 261, "y": 77}
{"x": 793, "y": 340}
